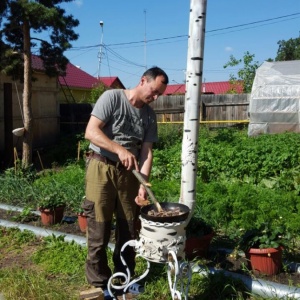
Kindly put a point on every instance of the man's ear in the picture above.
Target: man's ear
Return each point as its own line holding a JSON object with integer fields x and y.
{"x": 143, "y": 80}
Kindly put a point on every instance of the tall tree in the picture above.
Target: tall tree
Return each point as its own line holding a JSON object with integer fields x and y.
{"x": 245, "y": 74}
{"x": 21, "y": 25}
{"x": 288, "y": 50}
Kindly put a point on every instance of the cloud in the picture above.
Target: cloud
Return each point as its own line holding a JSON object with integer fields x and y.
{"x": 79, "y": 3}
{"x": 228, "y": 49}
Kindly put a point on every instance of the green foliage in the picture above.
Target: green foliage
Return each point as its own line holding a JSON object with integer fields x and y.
{"x": 84, "y": 144}
{"x": 41, "y": 16}
{"x": 218, "y": 286}
{"x": 231, "y": 154}
{"x": 16, "y": 190}
{"x": 288, "y": 50}
{"x": 25, "y": 215}
{"x": 245, "y": 74}
{"x": 65, "y": 152}
{"x": 197, "y": 227}
{"x": 167, "y": 163}
{"x": 97, "y": 92}
{"x": 169, "y": 135}
{"x": 267, "y": 235}
{"x": 26, "y": 279}
{"x": 20, "y": 283}
{"x": 241, "y": 207}
{"x": 50, "y": 199}
{"x": 166, "y": 190}
{"x": 59, "y": 257}
{"x": 13, "y": 237}
{"x": 64, "y": 186}
{"x": 28, "y": 173}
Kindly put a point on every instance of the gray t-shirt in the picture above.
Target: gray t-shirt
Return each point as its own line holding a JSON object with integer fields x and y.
{"x": 125, "y": 124}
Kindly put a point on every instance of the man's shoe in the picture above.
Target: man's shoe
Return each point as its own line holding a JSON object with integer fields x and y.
{"x": 136, "y": 289}
{"x": 107, "y": 295}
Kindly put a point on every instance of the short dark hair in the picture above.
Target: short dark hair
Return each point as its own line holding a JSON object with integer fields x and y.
{"x": 156, "y": 71}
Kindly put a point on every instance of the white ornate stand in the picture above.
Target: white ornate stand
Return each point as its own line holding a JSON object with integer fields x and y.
{"x": 160, "y": 243}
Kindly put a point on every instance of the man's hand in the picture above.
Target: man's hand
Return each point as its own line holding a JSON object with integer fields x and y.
{"x": 141, "y": 201}
{"x": 141, "y": 198}
{"x": 127, "y": 159}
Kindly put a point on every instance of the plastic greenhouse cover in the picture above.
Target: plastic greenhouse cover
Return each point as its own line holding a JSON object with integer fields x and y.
{"x": 275, "y": 98}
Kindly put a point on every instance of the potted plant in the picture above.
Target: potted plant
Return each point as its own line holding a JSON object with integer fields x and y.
{"x": 198, "y": 238}
{"x": 76, "y": 207}
{"x": 51, "y": 204}
{"x": 263, "y": 247}
{"x": 81, "y": 218}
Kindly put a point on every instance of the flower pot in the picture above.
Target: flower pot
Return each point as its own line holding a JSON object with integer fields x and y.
{"x": 198, "y": 246}
{"x": 52, "y": 216}
{"x": 266, "y": 261}
{"x": 82, "y": 221}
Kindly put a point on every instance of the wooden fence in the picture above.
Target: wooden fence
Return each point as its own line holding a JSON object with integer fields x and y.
{"x": 215, "y": 110}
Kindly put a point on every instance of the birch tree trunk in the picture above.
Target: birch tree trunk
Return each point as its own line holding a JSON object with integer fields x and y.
{"x": 27, "y": 92}
{"x": 189, "y": 154}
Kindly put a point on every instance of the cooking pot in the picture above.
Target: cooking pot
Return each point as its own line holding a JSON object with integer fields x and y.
{"x": 166, "y": 206}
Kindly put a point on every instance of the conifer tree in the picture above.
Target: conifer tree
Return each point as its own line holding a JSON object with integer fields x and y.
{"x": 21, "y": 25}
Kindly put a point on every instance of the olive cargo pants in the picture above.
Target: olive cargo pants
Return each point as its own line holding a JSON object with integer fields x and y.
{"x": 110, "y": 190}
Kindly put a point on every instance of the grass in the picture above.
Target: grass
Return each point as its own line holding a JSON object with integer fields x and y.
{"x": 49, "y": 268}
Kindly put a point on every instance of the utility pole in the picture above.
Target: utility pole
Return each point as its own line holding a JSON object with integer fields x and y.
{"x": 101, "y": 49}
{"x": 145, "y": 40}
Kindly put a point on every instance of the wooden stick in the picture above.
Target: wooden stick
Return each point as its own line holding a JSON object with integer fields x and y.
{"x": 15, "y": 158}
{"x": 40, "y": 159}
{"x": 146, "y": 186}
{"x": 78, "y": 151}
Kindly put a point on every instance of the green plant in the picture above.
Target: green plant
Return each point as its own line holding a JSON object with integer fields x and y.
{"x": 77, "y": 206}
{"x": 197, "y": 227}
{"x": 265, "y": 236}
{"x": 52, "y": 200}
{"x": 25, "y": 215}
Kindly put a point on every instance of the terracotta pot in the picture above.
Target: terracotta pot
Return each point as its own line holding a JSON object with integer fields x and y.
{"x": 52, "y": 216}
{"x": 266, "y": 261}
{"x": 82, "y": 221}
{"x": 198, "y": 246}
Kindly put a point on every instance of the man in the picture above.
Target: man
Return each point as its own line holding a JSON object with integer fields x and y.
{"x": 121, "y": 131}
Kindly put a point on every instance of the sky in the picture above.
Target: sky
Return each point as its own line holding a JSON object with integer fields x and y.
{"x": 138, "y": 34}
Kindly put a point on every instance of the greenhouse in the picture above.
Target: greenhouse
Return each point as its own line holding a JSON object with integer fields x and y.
{"x": 275, "y": 96}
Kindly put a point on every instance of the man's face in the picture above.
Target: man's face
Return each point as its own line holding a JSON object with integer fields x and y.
{"x": 152, "y": 89}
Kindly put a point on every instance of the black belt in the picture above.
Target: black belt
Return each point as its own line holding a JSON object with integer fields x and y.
{"x": 102, "y": 158}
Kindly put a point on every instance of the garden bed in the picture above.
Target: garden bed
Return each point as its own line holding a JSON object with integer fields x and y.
{"x": 218, "y": 259}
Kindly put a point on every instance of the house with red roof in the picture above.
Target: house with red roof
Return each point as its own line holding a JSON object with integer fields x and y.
{"x": 220, "y": 87}
{"x": 76, "y": 85}
{"x": 47, "y": 92}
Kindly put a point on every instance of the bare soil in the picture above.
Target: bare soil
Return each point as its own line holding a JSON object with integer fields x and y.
{"x": 217, "y": 259}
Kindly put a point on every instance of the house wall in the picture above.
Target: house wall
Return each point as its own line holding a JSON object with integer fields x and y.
{"x": 45, "y": 112}
{"x": 66, "y": 95}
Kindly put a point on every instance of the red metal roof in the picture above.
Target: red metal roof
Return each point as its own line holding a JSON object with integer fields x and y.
{"x": 77, "y": 78}
{"x": 37, "y": 63}
{"x": 221, "y": 87}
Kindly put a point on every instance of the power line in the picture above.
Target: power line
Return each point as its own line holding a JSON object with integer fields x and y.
{"x": 185, "y": 36}
{"x": 251, "y": 23}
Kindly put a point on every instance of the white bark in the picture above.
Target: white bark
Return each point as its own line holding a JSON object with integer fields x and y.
{"x": 189, "y": 154}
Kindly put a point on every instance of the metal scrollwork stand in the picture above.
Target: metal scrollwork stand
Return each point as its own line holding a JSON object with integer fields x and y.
{"x": 179, "y": 274}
